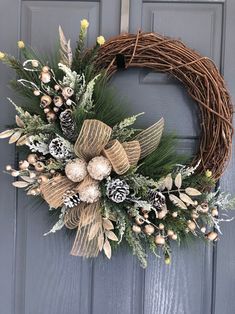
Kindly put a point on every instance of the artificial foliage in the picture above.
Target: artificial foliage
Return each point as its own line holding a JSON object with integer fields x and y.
{"x": 99, "y": 174}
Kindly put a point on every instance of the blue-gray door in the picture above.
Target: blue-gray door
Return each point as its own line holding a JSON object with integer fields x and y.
{"x": 37, "y": 274}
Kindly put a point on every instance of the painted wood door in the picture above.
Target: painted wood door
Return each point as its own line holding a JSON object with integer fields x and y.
{"x": 37, "y": 275}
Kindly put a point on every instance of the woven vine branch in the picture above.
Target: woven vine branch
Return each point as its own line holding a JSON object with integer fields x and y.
{"x": 198, "y": 74}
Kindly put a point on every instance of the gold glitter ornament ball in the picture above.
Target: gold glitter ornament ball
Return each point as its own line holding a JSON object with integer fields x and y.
{"x": 99, "y": 168}
{"x": 76, "y": 170}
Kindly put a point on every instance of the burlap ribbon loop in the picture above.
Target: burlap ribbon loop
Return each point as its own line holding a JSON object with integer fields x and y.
{"x": 93, "y": 137}
{"x": 149, "y": 138}
{"x": 53, "y": 190}
{"x": 117, "y": 155}
{"x": 133, "y": 151}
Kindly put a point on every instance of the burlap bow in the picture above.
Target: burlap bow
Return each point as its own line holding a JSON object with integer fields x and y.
{"x": 95, "y": 139}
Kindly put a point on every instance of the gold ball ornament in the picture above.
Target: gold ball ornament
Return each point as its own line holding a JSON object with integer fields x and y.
{"x": 45, "y": 77}
{"x": 23, "y": 165}
{"x": 36, "y": 92}
{"x": 161, "y": 227}
{"x": 46, "y": 110}
{"x": 149, "y": 229}
{"x": 212, "y": 236}
{"x": 159, "y": 240}
{"x": 45, "y": 101}
{"x": 167, "y": 260}
{"x": 136, "y": 229}
{"x": 99, "y": 168}
{"x": 203, "y": 229}
{"x": 90, "y": 193}
{"x": 57, "y": 87}
{"x": 191, "y": 225}
{"x": 67, "y": 92}
{"x": 35, "y": 63}
{"x": 214, "y": 212}
{"x": 175, "y": 214}
{"x": 56, "y": 109}
{"x": 39, "y": 166}
{"x": 139, "y": 220}
{"x": 45, "y": 69}
{"x": 43, "y": 179}
{"x": 174, "y": 237}
{"x": 8, "y": 168}
{"x": 32, "y": 158}
{"x": 58, "y": 101}
{"x": 51, "y": 116}
{"x": 76, "y": 170}
{"x": 194, "y": 215}
{"x": 170, "y": 233}
{"x": 203, "y": 208}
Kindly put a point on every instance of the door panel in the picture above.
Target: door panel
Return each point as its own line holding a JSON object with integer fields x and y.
{"x": 37, "y": 273}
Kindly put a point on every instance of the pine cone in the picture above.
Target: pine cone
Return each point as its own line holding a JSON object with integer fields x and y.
{"x": 60, "y": 148}
{"x": 67, "y": 124}
{"x": 71, "y": 199}
{"x": 157, "y": 199}
{"x": 117, "y": 190}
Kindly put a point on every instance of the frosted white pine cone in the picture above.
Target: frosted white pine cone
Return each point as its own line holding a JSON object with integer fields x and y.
{"x": 59, "y": 148}
{"x": 71, "y": 199}
{"x": 117, "y": 190}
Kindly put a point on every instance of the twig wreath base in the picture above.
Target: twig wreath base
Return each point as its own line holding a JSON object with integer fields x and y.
{"x": 97, "y": 172}
{"x": 198, "y": 74}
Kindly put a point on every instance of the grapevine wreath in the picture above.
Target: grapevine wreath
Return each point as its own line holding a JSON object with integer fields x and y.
{"x": 102, "y": 176}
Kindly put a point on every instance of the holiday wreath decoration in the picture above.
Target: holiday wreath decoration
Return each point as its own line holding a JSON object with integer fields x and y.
{"x": 101, "y": 175}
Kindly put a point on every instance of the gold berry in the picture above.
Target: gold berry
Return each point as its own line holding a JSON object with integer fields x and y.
{"x": 191, "y": 225}
{"x": 212, "y": 236}
{"x": 214, "y": 212}
{"x": 170, "y": 233}
{"x": 139, "y": 220}
{"x": 161, "y": 226}
{"x": 45, "y": 69}
{"x": 159, "y": 240}
{"x": 23, "y": 165}
{"x": 32, "y": 158}
{"x": 174, "y": 237}
{"x": 174, "y": 215}
{"x": 8, "y": 168}
{"x": 58, "y": 101}
{"x": 43, "y": 179}
{"x": 51, "y": 117}
{"x": 45, "y": 101}
{"x": 136, "y": 229}
{"x": 149, "y": 229}
{"x": 39, "y": 166}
